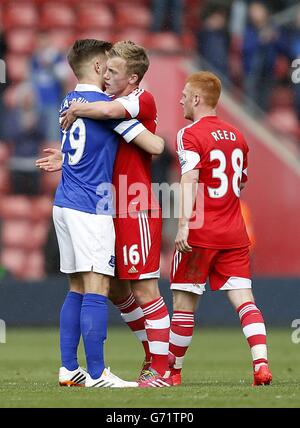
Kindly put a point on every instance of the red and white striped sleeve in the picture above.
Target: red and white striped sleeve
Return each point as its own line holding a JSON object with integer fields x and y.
{"x": 188, "y": 151}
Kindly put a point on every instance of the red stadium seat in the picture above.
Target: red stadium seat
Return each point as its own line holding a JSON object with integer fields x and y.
{"x": 62, "y": 38}
{"x": 16, "y": 207}
{"x": 16, "y": 234}
{"x": 165, "y": 42}
{"x": 20, "y": 14}
{"x": 39, "y": 233}
{"x": 94, "y": 16}
{"x": 139, "y": 37}
{"x": 95, "y": 33}
{"x": 189, "y": 41}
{"x": 14, "y": 260}
{"x": 130, "y": 16}
{"x": 42, "y": 208}
{"x": 24, "y": 234}
{"x": 1, "y": 16}
{"x": 57, "y": 15}
{"x": 17, "y": 67}
{"x": 35, "y": 266}
{"x": 21, "y": 40}
{"x": 284, "y": 121}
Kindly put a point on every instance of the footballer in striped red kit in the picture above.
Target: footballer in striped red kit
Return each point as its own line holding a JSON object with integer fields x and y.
{"x": 213, "y": 156}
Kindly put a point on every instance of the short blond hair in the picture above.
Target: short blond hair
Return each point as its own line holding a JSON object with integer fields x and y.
{"x": 209, "y": 84}
{"x": 137, "y": 61}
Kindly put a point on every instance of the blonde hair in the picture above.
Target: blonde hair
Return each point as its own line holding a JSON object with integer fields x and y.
{"x": 137, "y": 61}
{"x": 209, "y": 84}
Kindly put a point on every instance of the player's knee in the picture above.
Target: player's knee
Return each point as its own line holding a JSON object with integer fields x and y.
{"x": 119, "y": 291}
{"x": 96, "y": 283}
{"x": 76, "y": 283}
{"x": 143, "y": 296}
{"x": 184, "y": 301}
{"x": 145, "y": 291}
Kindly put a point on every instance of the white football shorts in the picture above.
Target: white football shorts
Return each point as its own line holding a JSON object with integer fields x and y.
{"x": 86, "y": 241}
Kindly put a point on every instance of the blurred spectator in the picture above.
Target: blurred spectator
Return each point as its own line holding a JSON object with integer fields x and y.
{"x": 49, "y": 74}
{"x": 168, "y": 15}
{"x": 3, "y": 51}
{"x": 213, "y": 39}
{"x": 24, "y": 130}
{"x": 261, "y": 45}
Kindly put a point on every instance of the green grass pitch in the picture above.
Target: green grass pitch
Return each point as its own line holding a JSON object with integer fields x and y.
{"x": 217, "y": 372}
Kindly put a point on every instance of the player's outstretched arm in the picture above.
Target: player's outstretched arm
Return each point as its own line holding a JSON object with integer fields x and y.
{"x": 98, "y": 110}
{"x": 50, "y": 163}
{"x": 149, "y": 142}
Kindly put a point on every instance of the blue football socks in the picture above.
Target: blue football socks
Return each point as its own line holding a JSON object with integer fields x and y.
{"x": 70, "y": 329}
{"x": 93, "y": 322}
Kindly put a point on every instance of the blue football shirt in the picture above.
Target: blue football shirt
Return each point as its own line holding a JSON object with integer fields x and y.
{"x": 89, "y": 148}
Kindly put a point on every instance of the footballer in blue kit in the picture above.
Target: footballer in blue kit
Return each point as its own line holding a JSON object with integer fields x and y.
{"x": 89, "y": 149}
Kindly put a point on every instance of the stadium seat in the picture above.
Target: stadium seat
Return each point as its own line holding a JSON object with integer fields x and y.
{"x": 16, "y": 207}
{"x": 20, "y": 14}
{"x": 1, "y": 16}
{"x": 189, "y": 41}
{"x": 16, "y": 234}
{"x": 95, "y": 34}
{"x": 14, "y": 260}
{"x": 139, "y": 37}
{"x": 94, "y": 16}
{"x": 130, "y": 15}
{"x": 62, "y": 38}
{"x": 17, "y": 67}
{"x": 24, "y": 234}
{"x": 39, "y": 233}
{"x": 166, "y": 42}
{"x": 57, "y": 15}
{"x": 21, "y": 40}
{"x": 284, "y": 121}
{"x": 35, "y": 266}
{"x": 42, "y": 208}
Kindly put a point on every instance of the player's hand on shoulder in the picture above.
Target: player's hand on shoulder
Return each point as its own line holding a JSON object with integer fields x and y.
{"x": 68, "y": 117}
{"x": 50, "y": 163}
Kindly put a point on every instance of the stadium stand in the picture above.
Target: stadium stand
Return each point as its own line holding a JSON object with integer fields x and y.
{"x": 26, "y": 219}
